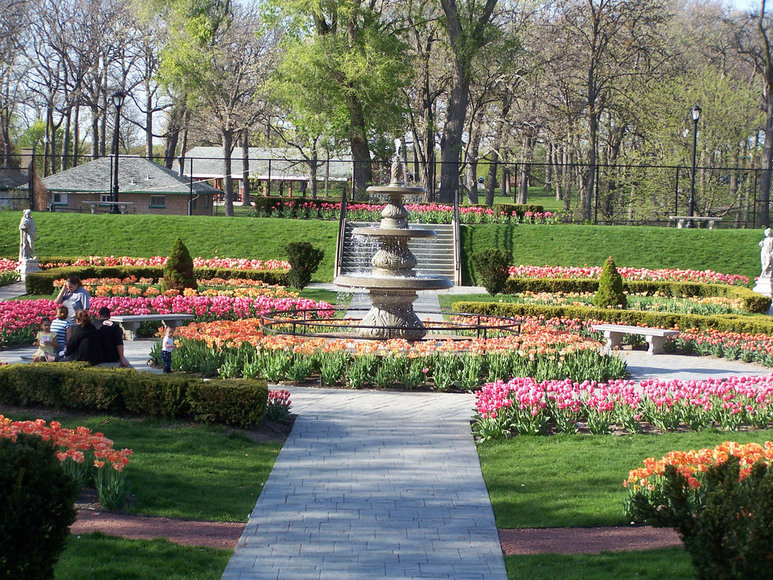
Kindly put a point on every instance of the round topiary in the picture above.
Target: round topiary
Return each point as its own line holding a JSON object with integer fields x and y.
{"x": 178, "y": 271}
{"x": 37, "y": 506}
{"x": 610, "y": 292}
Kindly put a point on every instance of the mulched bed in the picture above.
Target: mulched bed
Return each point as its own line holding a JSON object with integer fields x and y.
{"x": 586, "y": 540}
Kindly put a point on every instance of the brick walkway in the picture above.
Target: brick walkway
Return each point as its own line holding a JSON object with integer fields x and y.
{"x": 373, "y": 484}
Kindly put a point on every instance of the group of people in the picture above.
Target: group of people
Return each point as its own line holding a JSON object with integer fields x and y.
{"x": 72, "y": 336}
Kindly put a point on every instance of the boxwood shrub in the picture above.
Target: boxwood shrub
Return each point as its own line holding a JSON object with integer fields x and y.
{"x": 721, "y": 322}
{"x": 752, "y": 302}
{"x": 77, "y": 386}
{"x": 43, "y": 282}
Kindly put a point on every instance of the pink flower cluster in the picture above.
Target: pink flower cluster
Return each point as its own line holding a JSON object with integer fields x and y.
{"x": 19, "y": 319}
{"x": 666, "y": 275}
{"x": 7, "y": 265}
{"x": 666, "y": 404}
{"x": 230, "y": 263}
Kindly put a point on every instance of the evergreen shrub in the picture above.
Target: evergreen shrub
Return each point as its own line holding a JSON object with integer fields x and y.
{"x": 304, "y": 260}
{"x": 726, "y": 524}
{"x": 37, "y": 506}
{"x": 610, "y": 292}
{"x": 239, "y": 403}
{"x": 493, "y": 267}
{"x": 178, "y": 271}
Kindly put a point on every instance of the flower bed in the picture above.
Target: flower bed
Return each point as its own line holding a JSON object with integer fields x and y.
{"x": 85, "y": 456}
{"x": 240, "y": 348}
{"x": 224, "y": 263}
{"x": 692, "y": 464}
{"x": 19, "y": 319}
{"x": 8, "y": 272}
{"x": 593, "y": 272}
{"x": 527, "y": 406}
{"x": 753, "y": 348}
{"x": 148, "y": 287}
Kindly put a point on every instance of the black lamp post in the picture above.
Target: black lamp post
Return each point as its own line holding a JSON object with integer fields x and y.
{"x": 696, "y": 114}
{"x": 118, "y": 98}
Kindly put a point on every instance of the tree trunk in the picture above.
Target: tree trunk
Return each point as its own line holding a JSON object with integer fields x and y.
{"x": 549, "y": 168}
{"x": 246, "y": 168}
{"x": 228, "y": 186}
{"x": 451, "y": 141}
{"x": 358, "y": 140}
{"x": 94, "y": 132}
{"x": 472, "y": 163}
{"x": 148, "y": 124}
{"x": 763, "y": 199}
{"x": 589, "y": 174}
{"x": 76, "y": 135}
{"x": 64, "y": 162}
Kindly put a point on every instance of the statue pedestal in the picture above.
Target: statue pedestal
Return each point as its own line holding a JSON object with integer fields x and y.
{"x": 764, "y": 287}
{"x": 28, "y": 266}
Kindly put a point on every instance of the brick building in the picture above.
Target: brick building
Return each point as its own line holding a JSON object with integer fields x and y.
{"x": 144, "y": 187}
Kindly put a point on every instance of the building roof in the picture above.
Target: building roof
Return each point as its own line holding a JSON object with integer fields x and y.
{"x": 285, "y": 164}
{"x": 11, "y": 178}
{"x": 135, "y": 175}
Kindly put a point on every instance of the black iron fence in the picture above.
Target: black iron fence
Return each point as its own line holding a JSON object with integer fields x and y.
{"x": 603, "y": 194}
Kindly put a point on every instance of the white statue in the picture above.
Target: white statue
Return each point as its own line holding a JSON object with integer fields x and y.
{"x": 766, "y": 255}
{"x": 27, "y": 234}
{"x": 398, "y": 170}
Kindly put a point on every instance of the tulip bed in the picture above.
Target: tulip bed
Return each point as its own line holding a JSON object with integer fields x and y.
{"x": 752, "y": 348}
{"x": 8, "y": 272}
{"x": 216, "y": 263}
{"x": 528, "y": 406}
{"x": 149, "y": 288}
{"x": 19, "y": 320}
{"x": 239, "y": 348}
{"x": 664, "y": 275}
{"x": 431, "y": 213}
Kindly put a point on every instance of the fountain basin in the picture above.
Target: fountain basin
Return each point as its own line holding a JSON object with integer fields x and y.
{"x": 405, "y": 283}
{"x": 395, "y": 190}
{"x": 377, "y": 232}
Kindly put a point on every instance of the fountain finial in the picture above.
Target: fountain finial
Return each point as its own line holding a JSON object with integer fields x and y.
{"x": 398, "y": 175}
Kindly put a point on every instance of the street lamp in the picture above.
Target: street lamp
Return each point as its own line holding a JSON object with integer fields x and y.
{"x": 696, "y": 114}
{"x": 117, "y": 98}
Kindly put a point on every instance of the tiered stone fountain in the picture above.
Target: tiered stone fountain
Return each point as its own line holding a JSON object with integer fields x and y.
{"x": 393, "y": 282}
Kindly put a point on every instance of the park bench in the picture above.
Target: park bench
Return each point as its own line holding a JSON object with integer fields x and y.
{"x": 121, "y": 205}
{"x": 681, "y": 219}
{"x": 131, "y": 323}
{"x": 655, "y": 337}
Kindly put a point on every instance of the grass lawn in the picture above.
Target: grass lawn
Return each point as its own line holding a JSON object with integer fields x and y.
{"x": 576, "y": 480}
{"x": 75, "y": 234}
{"x": 727, "y": 251}
{"x": 665, "y": 563}
{"x": 185, "y": 470}
{"x": 96, "y": 556}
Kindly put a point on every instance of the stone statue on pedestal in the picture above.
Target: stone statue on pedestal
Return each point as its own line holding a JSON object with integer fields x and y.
{"x": 28, "y": 231}
{"x": 766, "y": 255}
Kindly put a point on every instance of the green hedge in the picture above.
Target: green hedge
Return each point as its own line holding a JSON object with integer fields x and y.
{"x": 752, "y": 302}
{"x": 43, "y": 282}
{"x": 722, "y": 322}
{"x": 239, "y": 403}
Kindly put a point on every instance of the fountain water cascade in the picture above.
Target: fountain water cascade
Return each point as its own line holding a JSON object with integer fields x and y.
{"x": 392, "y": 284}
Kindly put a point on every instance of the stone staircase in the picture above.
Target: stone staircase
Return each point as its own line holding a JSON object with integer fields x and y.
{"x": 435, "y": 255}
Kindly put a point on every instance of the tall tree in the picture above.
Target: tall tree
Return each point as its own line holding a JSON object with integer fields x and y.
{"x": 468, "y": 28}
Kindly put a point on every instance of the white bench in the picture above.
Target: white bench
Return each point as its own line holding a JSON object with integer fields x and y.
{"x": 681, "y": 219}
{"x": 655, "y": 337}
{"x": 131, "y": 322}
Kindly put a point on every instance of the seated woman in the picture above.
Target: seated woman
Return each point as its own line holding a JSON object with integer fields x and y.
{"x": 84, "y": 344}
{"x": 74, "y": 296}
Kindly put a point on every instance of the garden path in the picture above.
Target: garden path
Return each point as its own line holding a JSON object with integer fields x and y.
{"x": 373, "y": 484}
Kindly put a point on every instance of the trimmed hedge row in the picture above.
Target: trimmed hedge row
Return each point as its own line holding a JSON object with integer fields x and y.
{"x": 43, "y": 282}
{"x": 238, "y": 403}
{"x": 752, "y": 302}
{"x": 721, "y": 322}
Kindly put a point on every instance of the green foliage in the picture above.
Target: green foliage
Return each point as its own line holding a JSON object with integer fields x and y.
{"x": 77, "y": 386}
{"x": 493, "y": 268}
{"x": 36, "y": 507}
{"x": 304, "y": 260}
{"x": 517, "y": 209}
{"x": 98, "y": 556}
{"x": 178, "y": 271}
{"x": 610, "y": 292}
{"x": 726, "y": 524}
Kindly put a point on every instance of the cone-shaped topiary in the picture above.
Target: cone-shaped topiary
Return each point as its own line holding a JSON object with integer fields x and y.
{"x": 178, "y": 271}
{"x": 610, "y": 292}
{"x": 304, "y": 260}
{"x": 493, "y": 267}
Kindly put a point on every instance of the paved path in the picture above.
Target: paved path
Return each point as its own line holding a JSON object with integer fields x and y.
{"x": 373, "y": 484}
{"x": 12, "y": 290}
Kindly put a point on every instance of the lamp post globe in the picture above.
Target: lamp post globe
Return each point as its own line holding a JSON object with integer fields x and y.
{"x": 118, "y": 99}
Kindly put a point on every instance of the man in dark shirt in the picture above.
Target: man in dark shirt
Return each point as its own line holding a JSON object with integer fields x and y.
{"x": 111, "y": 341}
{"x": 83, "y": 344}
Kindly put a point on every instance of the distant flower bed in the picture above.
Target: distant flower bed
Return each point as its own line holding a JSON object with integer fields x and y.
{"x": 229, "y": 263}
{"x": 666, "y": 275}
{"x": 431, "y": 213}
{"x": 526, "y": 406}
{"x": 19, "y": 319}
{"x": 753, "y": 348}
{"x": 148, "y": 287}
{"x": 8, "y": 272}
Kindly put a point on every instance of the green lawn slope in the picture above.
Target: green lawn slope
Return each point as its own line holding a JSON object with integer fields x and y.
{"x": 727, "y": 251}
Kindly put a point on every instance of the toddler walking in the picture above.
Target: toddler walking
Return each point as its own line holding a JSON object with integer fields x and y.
{"x": 167, "y": 346}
